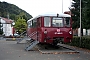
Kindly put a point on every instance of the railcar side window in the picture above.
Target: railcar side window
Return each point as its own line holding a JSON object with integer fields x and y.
{"x": 38, "y": 22}
{"x": 67, "y": 22}
{"x": 47, "y": 21}
{"x": 29, "y": 24}
{"x": 34, "y": 23}
{"x": 57, "y": 22}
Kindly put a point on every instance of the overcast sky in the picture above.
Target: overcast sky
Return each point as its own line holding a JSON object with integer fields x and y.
{"x": 36, "y": 7}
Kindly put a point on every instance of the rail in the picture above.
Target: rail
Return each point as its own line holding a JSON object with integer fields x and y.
{"x": 32, "y": 34}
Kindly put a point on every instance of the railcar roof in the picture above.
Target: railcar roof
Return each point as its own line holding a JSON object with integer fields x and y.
{"x": 43, "y": 15}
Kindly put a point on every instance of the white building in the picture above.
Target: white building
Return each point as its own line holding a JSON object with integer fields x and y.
{"x": 88, "y": 32}
{"x": 84, "y": 31}
{"x": 6, "y": 26}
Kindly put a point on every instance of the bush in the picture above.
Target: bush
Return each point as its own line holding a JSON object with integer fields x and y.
{"x": 85, "y": 42}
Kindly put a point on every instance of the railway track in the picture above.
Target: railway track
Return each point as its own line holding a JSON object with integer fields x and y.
{"x": 59, "y": 49}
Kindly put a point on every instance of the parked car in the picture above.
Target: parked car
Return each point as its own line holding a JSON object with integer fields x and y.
{"x": 16, "y": 35}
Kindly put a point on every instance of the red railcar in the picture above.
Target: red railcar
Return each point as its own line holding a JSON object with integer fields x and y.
{"x": 50, "y": 28}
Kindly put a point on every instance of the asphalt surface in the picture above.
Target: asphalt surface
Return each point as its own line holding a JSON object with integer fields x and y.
{"x": 10, "y": 50}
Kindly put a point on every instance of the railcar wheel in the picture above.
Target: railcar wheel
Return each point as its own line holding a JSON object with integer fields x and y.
{"x": 54, "y": 44}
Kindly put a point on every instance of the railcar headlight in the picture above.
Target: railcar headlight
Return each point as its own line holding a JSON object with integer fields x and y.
{"x": 45, "y": 32}
{"x": 70, "y": 32}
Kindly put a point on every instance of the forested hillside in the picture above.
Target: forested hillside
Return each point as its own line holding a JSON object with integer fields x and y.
{"x": 13, "y": 11}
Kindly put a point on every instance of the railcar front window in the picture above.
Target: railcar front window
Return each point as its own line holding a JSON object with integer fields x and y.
{"x": 67, "y": 22}
{"x": 57, "y": 22}
{"x": 47, "y": 22}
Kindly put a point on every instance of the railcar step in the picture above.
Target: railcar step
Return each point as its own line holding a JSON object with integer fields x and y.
{"x": 31, "y": 45}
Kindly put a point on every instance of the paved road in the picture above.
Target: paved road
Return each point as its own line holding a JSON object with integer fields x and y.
{"x": 9, "y": 50}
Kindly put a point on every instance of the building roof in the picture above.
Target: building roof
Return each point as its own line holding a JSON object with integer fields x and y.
{"x": 7, "y": 20}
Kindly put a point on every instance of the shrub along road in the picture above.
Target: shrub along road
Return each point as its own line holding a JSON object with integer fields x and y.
{"x": 9, "y": 50}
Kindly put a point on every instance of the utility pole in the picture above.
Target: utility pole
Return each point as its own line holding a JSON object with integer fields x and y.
{"x": 80, "y": 23}
{"x": 62, "y": 6}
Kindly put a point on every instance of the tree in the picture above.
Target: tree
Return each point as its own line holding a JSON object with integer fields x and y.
{"x": 85, "y": 12}
{"x": 20, "y": 25}
{"x": 22, "y": 15}
{"x": 76, "y": 14}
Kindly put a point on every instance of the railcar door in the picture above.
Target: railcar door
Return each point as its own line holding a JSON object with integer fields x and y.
{"x": 39, "y": 29}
